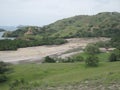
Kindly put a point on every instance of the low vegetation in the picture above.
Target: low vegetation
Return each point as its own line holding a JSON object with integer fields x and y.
{"x": 49, "y": 60}
{"x": 92, "y": 61}
{"x": 44, "y": 76}
{"x": 4, "y": 68}
{"x": 115, "y": 55}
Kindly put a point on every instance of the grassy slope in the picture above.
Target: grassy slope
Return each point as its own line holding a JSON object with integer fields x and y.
{"x": 102, "y": 56}
{"x": 64, "y": 73}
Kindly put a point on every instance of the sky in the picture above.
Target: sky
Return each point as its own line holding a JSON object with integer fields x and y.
{"x": 43, "y": 12}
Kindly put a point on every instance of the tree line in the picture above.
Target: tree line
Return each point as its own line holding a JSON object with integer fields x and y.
{"x": 8, "y": 44}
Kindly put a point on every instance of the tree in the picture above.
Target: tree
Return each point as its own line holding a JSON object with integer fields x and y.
{"x": 92, "y": 61}
{"x": 3, "y": 78}
{"x": 3, "y": 67}
{"x": 92, "y": 49}
{"x": 115, "y": 39}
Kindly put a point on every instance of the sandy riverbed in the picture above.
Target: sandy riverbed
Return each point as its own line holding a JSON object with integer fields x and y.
{"x": 38, "y": 52}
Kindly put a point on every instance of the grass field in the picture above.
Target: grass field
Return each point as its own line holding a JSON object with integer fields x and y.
{"x": 103, "y": 57}
{"x": 57, "y": 74}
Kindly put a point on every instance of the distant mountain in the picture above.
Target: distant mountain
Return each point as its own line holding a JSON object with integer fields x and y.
{"x": 23, "y": 31}
{"x": 9, "y": 28}
{"x": 102, "y": 24}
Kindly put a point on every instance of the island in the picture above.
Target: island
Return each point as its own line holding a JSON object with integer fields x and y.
{"x": 2, "y": 30}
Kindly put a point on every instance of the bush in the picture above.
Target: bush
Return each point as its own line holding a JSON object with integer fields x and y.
{"x": 78, "y": 58}
{"x": 68, "y": 60}
{"x": 3, "y": 69}
{"x": 103, "y": 44}
{"x": 49, "y": 60}
{"x": 3, "y": 78}
{"x": 115, "y": 55}
{"x": 65, "y": 60}
{"x": 92, "y": 61}
{"x": 20, "y": 84}
{"x": 112, "y": 57}
{"x": 92, "y": 49}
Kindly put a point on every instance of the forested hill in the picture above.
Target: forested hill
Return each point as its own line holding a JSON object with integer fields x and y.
{"x": 101, "y": 24}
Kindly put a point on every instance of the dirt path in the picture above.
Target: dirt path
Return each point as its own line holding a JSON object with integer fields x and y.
{"x": 37, "y": 53}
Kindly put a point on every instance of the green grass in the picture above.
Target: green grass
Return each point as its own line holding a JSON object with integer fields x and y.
{"x": 53, "y": 74}
{"x": 84, "y": 55}
{"x": 102, "y": 56}
{"x": 63, "y": 73}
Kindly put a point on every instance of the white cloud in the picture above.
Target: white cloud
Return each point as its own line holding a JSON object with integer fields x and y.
{"x": 41, "y": 12}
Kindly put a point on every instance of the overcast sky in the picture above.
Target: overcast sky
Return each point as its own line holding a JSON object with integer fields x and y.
{"x": 43, "y": 12}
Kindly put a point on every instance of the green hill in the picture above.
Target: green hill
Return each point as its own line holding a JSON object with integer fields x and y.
{"x": 101, "y": 24}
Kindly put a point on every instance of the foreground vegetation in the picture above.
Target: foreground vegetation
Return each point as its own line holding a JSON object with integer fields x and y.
{"x": 46, "y": 75}
{"x": 63, "y": 73}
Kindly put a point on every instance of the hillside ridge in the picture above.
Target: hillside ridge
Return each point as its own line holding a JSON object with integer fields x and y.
{"x": 102, "y": 24}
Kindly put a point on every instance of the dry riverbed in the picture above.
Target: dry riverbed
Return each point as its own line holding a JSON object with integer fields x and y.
{"x": 39, "y": 52}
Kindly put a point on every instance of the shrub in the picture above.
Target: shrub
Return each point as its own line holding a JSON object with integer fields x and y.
{"x": 112, "y": 57}
{"x": 20, "y": 84}
{"x": 105, "y": 44}
{"x": 68, "y": 60}
{"x": 115, "y": 55}
{"x": 3, "y": 78}
{"x": 92, "y": 49}
{"x": 78, "y": 58}
{"x": 92, "y": 61}
{"x": 3, "y": 69}
{"x": 49, "y": 60}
